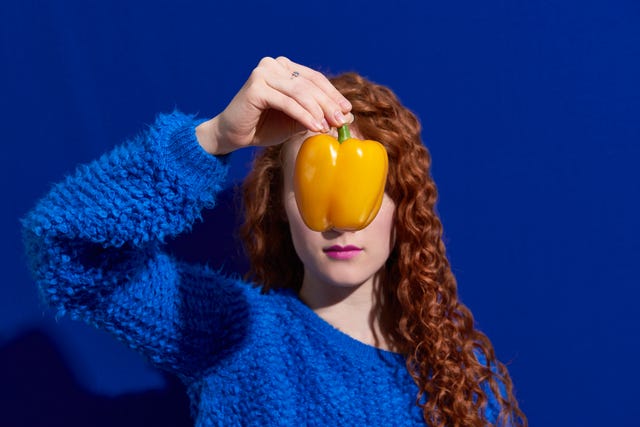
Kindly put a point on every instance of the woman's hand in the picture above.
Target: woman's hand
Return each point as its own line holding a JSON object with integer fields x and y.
{"x": 280, "y": 99}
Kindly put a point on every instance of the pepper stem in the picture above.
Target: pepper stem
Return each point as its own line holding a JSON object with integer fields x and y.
{"x": 343, "y": 133}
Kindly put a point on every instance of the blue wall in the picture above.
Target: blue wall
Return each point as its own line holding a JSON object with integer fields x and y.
{"x": 531, "y": 112}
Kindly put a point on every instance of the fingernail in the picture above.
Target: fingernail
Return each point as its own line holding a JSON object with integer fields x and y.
{"x": 318, "y": 127}
{"x": 325, "y": 126}
{"x": 350, "y": 118}
{"x": 339, "y": 117}
{"x": 346, "y": 105}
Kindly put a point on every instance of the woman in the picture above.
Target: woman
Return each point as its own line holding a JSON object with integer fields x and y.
{"x": 377, "y": 337}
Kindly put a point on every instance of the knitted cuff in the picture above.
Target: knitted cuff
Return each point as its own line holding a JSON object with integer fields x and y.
{"x": 183, "y": 155}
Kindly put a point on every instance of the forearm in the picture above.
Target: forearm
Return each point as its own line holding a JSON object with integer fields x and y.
{"x": 117, "y": 210}
{"x": 143, "y": 191}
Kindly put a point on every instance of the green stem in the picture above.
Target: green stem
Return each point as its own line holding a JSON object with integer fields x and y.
{"x": 343, "y": 133}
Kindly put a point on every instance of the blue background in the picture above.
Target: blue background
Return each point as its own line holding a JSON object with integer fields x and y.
{"x": 531, "y": 112}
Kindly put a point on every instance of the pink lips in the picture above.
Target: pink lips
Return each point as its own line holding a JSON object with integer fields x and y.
{"x": 342, "y": 252}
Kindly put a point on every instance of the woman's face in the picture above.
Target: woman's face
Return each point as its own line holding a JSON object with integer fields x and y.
{"x": 323, "y": 254}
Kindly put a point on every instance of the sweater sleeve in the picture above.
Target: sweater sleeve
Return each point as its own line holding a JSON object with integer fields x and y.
{"x": 95, "y": 248}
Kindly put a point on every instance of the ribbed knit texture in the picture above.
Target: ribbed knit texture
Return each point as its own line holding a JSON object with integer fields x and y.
{"x": 95, "y": 245}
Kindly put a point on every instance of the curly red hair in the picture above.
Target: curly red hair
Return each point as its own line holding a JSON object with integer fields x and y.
{"x": 452, "y": 363}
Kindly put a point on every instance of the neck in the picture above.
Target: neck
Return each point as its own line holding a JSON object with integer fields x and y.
{"x": 352, "y": 310}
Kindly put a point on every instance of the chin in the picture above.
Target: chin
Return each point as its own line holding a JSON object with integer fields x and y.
{"x": 346, "y": 280}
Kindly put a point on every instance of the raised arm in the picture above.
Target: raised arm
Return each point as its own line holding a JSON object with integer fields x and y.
{"x": 95, "y": 241}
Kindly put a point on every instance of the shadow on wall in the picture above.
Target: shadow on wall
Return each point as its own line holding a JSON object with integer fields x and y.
{"x": 214, "y": 240}
{"x": 39, "y": 390}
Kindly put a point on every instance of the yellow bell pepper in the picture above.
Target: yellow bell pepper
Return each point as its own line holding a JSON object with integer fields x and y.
{"x": 339, "y": 183}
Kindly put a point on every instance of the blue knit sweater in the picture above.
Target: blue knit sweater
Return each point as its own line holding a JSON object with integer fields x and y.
{"x": 95, "y": 244}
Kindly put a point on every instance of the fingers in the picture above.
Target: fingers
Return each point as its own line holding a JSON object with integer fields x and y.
{"x": 320, "y": 80}
{"x": 305, "y": 94}
{"x": 297, "y": 111}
